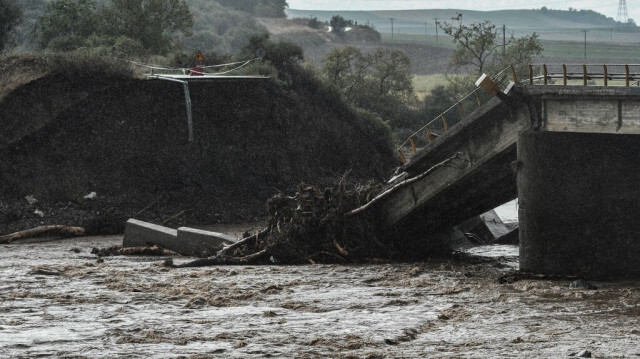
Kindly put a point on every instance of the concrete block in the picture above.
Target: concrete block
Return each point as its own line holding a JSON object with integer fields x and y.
{"x": 184, "y": 240}
{"x": 495, "y": 224}
{"x": 478, "y": 227}
{"x": 202, "y": 243}
{"x": 138, "y": 233}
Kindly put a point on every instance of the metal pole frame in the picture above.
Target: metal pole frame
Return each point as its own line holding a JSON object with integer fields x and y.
{"x": 187, "y": 101}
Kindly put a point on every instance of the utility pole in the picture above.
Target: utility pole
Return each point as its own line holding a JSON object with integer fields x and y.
{"x": 392, "y": 18}
{"x": 585, "y": 45}
{"x": 504, "y": 40}
{"x": 437, "y": 20}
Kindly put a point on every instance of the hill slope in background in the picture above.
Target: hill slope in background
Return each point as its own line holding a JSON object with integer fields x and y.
{"x": 550, "y": 24}
{"x": 223, "y": 29}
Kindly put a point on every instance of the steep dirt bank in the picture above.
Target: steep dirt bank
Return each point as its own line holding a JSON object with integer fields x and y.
{"x": 69, "y": 134}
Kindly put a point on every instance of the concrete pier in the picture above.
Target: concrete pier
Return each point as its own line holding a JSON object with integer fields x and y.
{"x": 579, "y": 203}
{"x": 571, "y": 154}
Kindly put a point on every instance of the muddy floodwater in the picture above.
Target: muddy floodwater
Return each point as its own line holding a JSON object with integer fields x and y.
{"x": 56, "y": 300}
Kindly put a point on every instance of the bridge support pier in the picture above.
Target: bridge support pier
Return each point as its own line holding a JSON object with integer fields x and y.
{"x": 579, "y": 204}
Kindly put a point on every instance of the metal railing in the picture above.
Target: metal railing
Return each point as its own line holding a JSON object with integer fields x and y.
{"x": 539, "y": 74}
{"x": 452, "y": 116}
{"x": 584, "y": 74}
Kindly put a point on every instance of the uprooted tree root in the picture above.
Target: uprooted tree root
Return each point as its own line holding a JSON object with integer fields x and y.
{"x": 311, "y": 227}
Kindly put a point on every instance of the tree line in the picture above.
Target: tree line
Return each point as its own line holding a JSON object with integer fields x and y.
{"x": 133, "y": 27}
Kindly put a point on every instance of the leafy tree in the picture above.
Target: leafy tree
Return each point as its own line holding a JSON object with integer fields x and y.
{"x": 220, "y": 28}
{"x": 66, "y": 23}
{"x": 338, "y": 24}
{"x": 476, "y": 44}
{"x": 391, "y": 70}
{"x": 365, "y": 79}
{"x": 10, "y": 17}
{"x": 156, "y": 24}
{"x": 314, "y": 23}
{"x": 284, "y": 56}
{"x": 347, "y": 69}
{"x": 379, "y": 82}
{"x": 520, "y": 53}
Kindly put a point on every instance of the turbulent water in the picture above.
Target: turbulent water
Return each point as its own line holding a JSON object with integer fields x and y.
{"x": 56, "y": 300}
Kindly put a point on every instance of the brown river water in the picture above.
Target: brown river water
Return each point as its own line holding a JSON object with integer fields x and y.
{"x": 57, "y": 301}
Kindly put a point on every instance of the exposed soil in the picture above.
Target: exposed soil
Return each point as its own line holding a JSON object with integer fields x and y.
{"x": 71, "y": 133}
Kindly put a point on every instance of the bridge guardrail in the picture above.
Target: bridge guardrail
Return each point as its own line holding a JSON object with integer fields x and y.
{"x": 585, "y": 74}
{"x": 452, "y": 116}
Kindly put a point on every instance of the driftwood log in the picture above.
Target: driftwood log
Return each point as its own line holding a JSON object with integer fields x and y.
{"x": 50, "y": 230}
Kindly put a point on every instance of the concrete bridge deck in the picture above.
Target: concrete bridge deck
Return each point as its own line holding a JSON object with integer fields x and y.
{"x": 569, "y": 153}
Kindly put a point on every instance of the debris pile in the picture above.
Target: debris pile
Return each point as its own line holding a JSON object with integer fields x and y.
{"x": 311, "y": 227}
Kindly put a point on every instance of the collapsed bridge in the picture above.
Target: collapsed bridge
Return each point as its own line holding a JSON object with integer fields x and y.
{"x": 570, "y": 154}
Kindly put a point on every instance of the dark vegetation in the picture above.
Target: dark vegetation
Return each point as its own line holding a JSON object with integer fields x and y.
{"x": 379, "y": 82}
{"x": 10, "y": 17}
{"x": 589, "y": 16}
{"x": 101, "y": 26}
{"x": 72, "y": 24}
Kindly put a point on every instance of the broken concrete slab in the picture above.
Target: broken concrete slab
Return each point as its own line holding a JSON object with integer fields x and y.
{"x": 184, "y": 240}
{"x": 202, "y": 243}
{"x": 509, "y": 238}
{"x": 495, "y": 224}
{"x": 486, "y": 228}
{"x": 477, "y": 229}
{"x": 139, "y": 234}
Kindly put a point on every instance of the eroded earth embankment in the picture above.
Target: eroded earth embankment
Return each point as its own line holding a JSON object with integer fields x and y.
{"x": 73, "y": 128}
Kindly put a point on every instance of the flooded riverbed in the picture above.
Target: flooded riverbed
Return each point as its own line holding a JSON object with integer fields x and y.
{"x": 56, "y": 300}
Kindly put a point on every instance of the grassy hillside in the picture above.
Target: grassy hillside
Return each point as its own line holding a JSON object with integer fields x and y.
{"x": 572, "y": 50}
{"x": 550, "y": 24}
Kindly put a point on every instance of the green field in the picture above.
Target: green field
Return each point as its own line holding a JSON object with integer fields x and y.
{"x": 442, "y": 40}
{"x": 423, "y": 84}
{"x": 557, "y": 50}
{"x": 573, "y": 52}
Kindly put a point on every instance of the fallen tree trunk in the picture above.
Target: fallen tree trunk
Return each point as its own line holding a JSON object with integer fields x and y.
{"x": 404, "y": 183}
{"x": 56, "y": 230}
{"x": 133, "y": 251}
{"x": 217, "y": 260}
{"x": 147, "y": 251}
